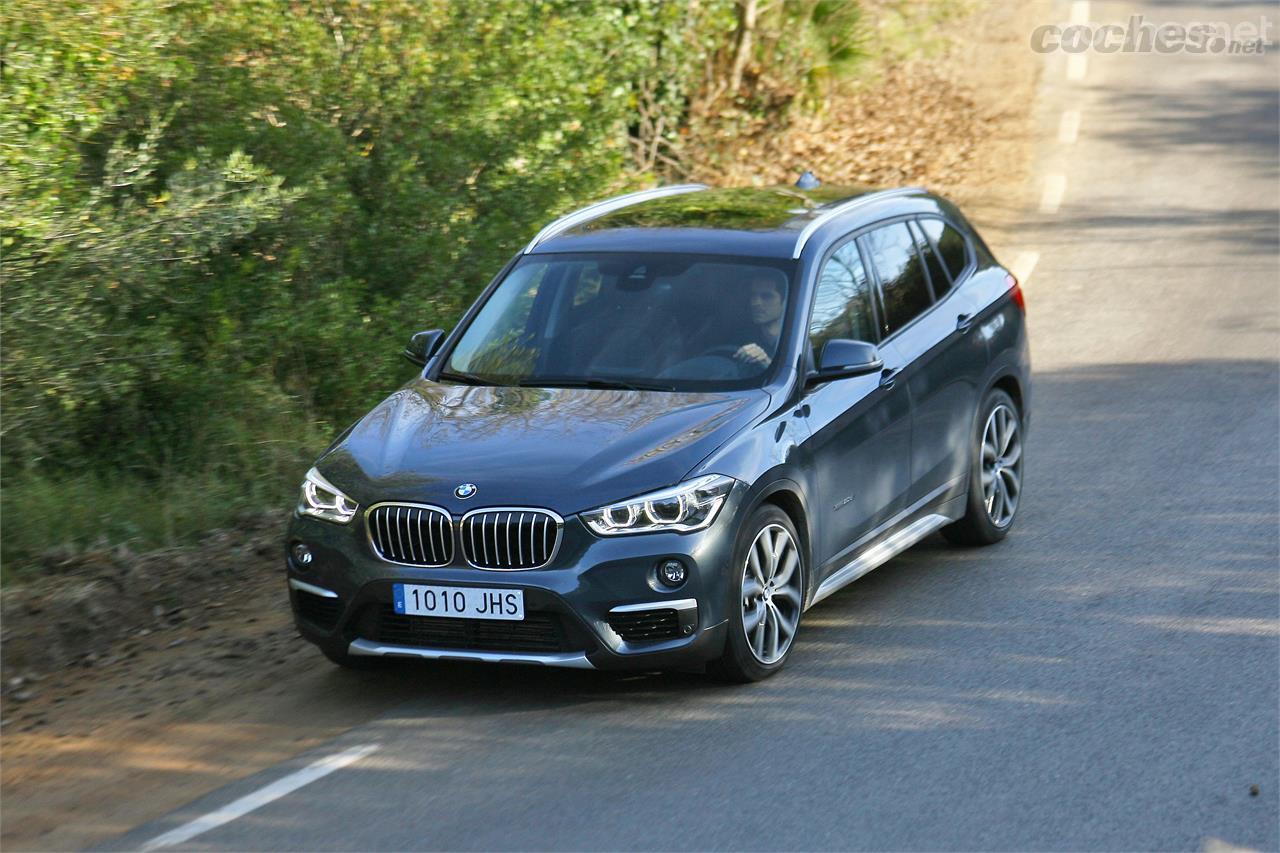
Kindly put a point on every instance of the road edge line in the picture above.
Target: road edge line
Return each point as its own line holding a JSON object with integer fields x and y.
{"x": 239, "y": 808}
{"x": 1022, "y": 266}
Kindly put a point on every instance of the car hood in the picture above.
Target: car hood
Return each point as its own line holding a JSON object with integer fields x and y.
{"x": 565, "y": 449}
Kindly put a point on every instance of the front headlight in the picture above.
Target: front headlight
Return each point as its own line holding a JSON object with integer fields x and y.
{"x": 688, "y": 506}
{"x": 322, "y": 499}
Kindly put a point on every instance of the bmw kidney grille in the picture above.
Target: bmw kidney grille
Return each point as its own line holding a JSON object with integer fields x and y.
{"x": 411, "y": 533}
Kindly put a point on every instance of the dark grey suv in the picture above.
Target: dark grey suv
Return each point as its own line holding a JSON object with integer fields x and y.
{"x": 675, "y": 421}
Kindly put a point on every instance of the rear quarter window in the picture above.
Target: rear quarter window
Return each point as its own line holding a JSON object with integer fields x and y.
{"x": 950, "y": 243}
{"x": 938, "y": 277}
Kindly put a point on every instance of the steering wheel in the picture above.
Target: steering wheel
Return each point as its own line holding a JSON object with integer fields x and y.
{"x": 716, "y": 363}
{"x": 722, "y": 351}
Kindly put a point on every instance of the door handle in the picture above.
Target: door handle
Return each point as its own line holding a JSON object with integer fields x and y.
{"x": 964, "y": 322}
{"x": 889, "y": 376}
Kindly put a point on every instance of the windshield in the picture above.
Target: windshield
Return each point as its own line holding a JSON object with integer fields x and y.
{"x": 654, "y": 322}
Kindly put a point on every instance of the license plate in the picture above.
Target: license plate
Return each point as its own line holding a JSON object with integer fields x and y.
{"x": 459, "y": 602}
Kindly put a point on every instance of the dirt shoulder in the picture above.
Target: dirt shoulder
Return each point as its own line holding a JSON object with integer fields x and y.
{"x": 134, "y": 683}
{"x": 959, "y": 123}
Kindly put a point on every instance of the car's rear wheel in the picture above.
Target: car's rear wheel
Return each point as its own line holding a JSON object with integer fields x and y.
{"x": 995, "y": 477}
{"x": 767, "y": 589}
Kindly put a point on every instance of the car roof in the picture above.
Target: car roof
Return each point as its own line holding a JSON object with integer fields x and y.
{"x": 756, "y": 221}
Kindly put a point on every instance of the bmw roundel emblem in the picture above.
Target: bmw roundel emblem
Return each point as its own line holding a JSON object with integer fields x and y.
{"x": 465, "y": 491}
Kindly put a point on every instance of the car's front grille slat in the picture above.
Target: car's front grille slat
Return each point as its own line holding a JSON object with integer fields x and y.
{"x": 498, "y": 539}
{"x": 413, "y": 534}
{"x": 380, "y": 523}
{"x": 415, "y": 522}
{"x": 414, "y": 542}
{"x": 399, "y": 535}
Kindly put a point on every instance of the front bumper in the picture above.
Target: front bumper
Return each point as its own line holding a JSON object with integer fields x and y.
{"x": 579, "y": 605}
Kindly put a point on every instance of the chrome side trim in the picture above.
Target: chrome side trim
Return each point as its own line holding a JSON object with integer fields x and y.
{"x": 303, "y": 586}
{"x": 905, "y": 514}
{"x": 367, "y": 648}
{"x": 878, "y": 555}
{"x": 678, "y": 604}
{"x": 600, "y": 208}
{"x": 841, "y": 209}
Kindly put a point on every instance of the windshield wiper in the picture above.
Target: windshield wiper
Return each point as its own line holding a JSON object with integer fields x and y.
{"x": 603, "y": 384}
{"x": 462, "y": 378}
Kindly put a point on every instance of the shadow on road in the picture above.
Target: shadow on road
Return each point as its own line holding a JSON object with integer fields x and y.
{"x": 1128, "y": 619}
{"x": 1115, "y": 632}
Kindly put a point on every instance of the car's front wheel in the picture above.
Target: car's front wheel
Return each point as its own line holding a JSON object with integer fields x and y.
{"x": 768, "y": 585}
{"x": 995, "y": 477}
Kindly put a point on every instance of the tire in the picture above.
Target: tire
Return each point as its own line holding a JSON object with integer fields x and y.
{"x": 989, "y": 515}
{"x": 749, "y": 655}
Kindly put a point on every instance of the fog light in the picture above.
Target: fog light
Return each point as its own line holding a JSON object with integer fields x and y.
{"x": 672, "y": 572}
{"x": 302, "y": 555}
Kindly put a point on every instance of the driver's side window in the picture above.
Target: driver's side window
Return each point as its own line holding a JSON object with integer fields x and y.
{"x": 842, "y": 304}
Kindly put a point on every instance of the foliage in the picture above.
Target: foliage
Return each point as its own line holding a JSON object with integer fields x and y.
{"x": 677, "y": 64}
{"x": 220, "y": 218}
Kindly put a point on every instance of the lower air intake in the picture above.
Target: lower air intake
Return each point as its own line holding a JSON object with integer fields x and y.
{"x": 537, "y": 632}
{"x": 319, "y": 611}
{"x": 646, "y": 626}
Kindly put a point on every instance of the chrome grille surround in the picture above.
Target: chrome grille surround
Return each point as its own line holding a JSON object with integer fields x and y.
{"x": 410, "y": 534}
{"x": 510, "y": 538}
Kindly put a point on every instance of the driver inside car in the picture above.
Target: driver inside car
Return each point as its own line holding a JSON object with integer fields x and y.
{"x": 766, "y": 300}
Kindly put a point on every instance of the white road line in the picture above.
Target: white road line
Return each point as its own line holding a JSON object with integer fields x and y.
{"x": 1077, "y": 66}
{"x": 1080, "y": 12}
{"x": 1069, "y": 127}
{"x": 1023, "y": 265}
{"x": 259, "y": 798}
{"x": 1055, "y": 187}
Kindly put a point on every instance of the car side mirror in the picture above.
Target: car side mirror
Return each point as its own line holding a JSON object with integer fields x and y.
{"x": 423, "y": 345}
{"x": 841, "y": 358}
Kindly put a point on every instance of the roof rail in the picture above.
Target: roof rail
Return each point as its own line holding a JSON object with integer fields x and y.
{"x": 600, "y": 208}
{"x": 841, "y": 209}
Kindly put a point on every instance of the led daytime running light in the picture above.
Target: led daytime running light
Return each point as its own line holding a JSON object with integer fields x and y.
{"x": 321, "y": 499}
{"x": 683, "y": 508}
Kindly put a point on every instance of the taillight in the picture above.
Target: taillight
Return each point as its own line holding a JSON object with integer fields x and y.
{"x": 1015, "y": 291}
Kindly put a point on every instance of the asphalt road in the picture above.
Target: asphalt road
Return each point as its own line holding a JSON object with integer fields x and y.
{"x": 1106, "y": 678}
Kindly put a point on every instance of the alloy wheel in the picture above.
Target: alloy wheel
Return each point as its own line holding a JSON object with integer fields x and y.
{"x": 1001, "y": 465}
{"x": 772, "y": 590}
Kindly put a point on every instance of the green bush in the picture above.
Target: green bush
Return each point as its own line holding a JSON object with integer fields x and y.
{"x": 220, "y": 220}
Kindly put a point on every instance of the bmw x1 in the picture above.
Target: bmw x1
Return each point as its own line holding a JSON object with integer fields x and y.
{"x": 674, "y": 422}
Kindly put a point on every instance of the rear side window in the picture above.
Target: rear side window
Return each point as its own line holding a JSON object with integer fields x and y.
{"x": 937, "y": 275}
{"x": 951, "y": 245}
{"x": 893, "y": 253}
{"x": 842, "y": 304}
